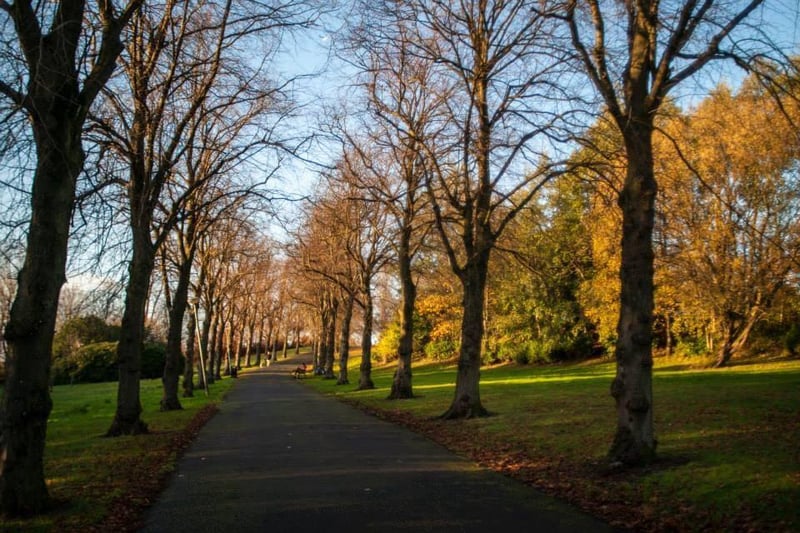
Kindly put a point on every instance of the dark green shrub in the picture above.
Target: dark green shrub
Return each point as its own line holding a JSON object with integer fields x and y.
{"x": 95, "y": 363}
{"x": 75, "y": 335}
{"x": 154, "y": 355}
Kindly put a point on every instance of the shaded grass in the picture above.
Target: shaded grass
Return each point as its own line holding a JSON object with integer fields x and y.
{"x": 92, "y": 477}
{"x": 729, "y": 457}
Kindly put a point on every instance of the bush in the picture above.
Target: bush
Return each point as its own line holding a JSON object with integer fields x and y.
{"x": 522, "y": 355}
{"x": 97, "y": 362}
{"x": 441, "y": 349}
{"x": 691, "y": 347}
{"x": 154, "y": 355}
{"x": 387, "y": 345}
{"x": 81, "y": 331}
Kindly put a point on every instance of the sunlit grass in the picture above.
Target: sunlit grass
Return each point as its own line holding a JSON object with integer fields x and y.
{"x": 728, "y": 438}
{"x": 85, "y": 471}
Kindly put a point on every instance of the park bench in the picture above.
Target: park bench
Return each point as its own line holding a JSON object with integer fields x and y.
{"x": 300, "y": 372}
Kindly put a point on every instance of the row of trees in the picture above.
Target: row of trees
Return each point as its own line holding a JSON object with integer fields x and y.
{"x": 472, "y": 110}
{"x": 465, "y": 119}
{"x": 168, "y": 150}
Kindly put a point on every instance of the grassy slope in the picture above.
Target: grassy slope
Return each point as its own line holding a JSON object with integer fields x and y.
{"x": 102, "y": 484}
{"x": 728, "y": 439}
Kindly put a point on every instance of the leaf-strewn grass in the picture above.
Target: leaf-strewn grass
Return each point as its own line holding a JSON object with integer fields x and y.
{"x": 729, "y": 452}
{"x": 99, "y": 483}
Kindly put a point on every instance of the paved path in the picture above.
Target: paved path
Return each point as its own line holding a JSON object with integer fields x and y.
{"x": 280, "y": 457}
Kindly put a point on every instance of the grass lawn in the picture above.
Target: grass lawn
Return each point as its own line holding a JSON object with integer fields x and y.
{"x": 729, "y": 439}
{"x": 102, "y": 484}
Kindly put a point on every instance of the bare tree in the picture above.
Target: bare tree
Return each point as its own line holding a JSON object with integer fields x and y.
{"x": 63, "y": 55}
{"x": 180, "y": 70}
{"x": 404, "y": 106}
{"x": 367, "y": 248}
{"x": 635, "y": 54}
{"x": 498, "y": 64}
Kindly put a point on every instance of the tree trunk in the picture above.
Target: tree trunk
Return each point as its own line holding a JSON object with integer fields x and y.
{"x": 634, "y": 441}
{"x": 171, "y": 377}
{"x": 467, "y": 399}
{"x": 401, "y": 382}
{"x": 220, "y": 349}
{"x": 344, "y": 339}
{"x": 188, "y": 367}
{"x": 29, "y": 333}
{"x": 127, "y": 419}
{"x": 327, "y": 354}
{"x": 365, "y": 374}
{"x": 260, "y": 341}
{"x": 251, "y": 339}
{"x": 737, "y": 331}
{"x": 205, "y": 348}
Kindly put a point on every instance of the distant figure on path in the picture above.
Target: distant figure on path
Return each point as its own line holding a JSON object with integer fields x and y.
{"x": 300, "y": 371}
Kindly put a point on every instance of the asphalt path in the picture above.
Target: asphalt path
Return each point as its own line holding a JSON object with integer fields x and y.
{"x": 281, "y": 457}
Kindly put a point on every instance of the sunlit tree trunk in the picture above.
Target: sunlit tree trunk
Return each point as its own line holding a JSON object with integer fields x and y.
{"x": 344, "y": 338}
{"x": 467, "y": 399}
{"x": 401, "y": 382}
{"x": 330, "y": 337}
{"x": 632, "y": 388}
{"x": 365, "y": 374}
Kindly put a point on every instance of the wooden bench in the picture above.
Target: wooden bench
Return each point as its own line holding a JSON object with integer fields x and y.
{"x": 299, "y": 372}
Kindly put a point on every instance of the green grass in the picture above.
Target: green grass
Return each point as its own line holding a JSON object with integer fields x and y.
{"x": 728, "y": 438}
{"x": 87, "y": 473}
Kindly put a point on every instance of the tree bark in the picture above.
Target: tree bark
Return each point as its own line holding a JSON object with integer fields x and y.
{"x": 29, "y": 332}
{"x": 467, "y": 399}
{"x": 737, "y": 331}
{"x": 344, "y": 339}
{"x": 56, "y": 103}
{"x": 634, "y": 442}
{"x": 127, "y": 419}
{"x": 330, "y": 340}
{"x": 188, "y": 368}
{"x": 365, "y": 369}
{"x": 180, "y": 301}
{"x": 401, "y": 382}
{"x": 205, "y": 348}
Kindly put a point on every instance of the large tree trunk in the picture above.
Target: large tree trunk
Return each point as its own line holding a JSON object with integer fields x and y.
{"x": 634, "y": 442}
{"x": 344, "y": 339}
{"x": 56, "y": 102}
{"x": 171, "y": 377}
{"x": 127, "y": 419}
{"x": 365, "y": 369}
{"x": 29, "y": 333}
{"x": 467, "y": 399}
{"x": 401, "y": 382}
